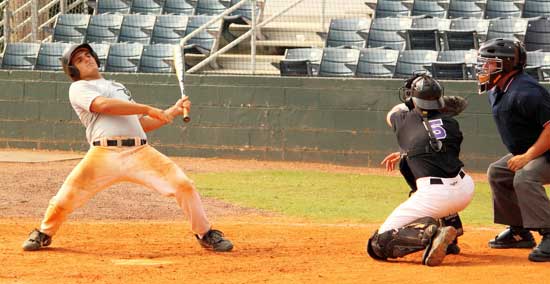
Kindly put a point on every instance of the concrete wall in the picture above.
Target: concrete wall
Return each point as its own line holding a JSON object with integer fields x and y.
{"x": 297, "y": 119}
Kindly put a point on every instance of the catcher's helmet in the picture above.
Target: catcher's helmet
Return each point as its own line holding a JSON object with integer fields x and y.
{"x": 497, "y": 57}
{"x": 68, "y": 53}
{"x": 427, "y": 93}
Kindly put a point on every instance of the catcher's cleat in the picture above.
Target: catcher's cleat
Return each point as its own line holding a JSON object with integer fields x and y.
{"x": 437, "y": 250}
{"x": 36, "y": 240}
{"x": 513, "y": 238}
{"x": 453, "y": 249}
{"x": 215, "y": 241}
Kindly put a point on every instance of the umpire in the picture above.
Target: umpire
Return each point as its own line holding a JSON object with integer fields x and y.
{"x": 521, "y": 110}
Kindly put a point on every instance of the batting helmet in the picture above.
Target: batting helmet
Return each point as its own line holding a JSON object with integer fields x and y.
{"x": 68, "y": 53}
{"x": 497, "y": 57}
{"x": 427, "y": 93}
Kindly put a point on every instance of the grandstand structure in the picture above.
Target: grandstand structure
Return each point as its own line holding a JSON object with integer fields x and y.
{"x": 327, "y": 38}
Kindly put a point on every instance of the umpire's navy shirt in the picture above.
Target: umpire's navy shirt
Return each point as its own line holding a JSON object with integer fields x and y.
{"x": 520, "y": 112}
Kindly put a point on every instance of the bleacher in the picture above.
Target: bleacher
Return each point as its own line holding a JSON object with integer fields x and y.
{"x": 376, "y": 39}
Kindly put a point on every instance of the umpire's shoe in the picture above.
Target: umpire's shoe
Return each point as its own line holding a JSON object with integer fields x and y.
{"x": 36, "y": 240}
{"x": 542, "y": 251}
{"x": 513, "y": 237}
{"x": 437, "y": 250}
{"x": 215, "y": 241}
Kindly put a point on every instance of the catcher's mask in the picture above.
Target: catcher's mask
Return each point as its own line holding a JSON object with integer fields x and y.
{"x": 66, "y": 59}
{"x": 496, "y": 58}
{"x": 427, "y": 93}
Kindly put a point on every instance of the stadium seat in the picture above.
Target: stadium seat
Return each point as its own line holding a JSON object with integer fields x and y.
{"x": 147, "y": 7}
{"x": 385, "y": 32}
{"x": 137, "y": 28}
{"x": 124, "y": 57}
{"x": 301, "y": 62}
{"x": 537, "y": 36}
{"x": 502, "y": 9}
{"x": 209, "y": 7}
{"x": 350, "y": 32}
{"x": 169, "y": 29}
{"x": 207, "y": 40}
{"x": 390, "y": 8}
{"x": 104, "y": 28}
{"x": 242, "y": 16}
{"x": 424, "y": 33}
{"x": 102, "y": 50}
{"x": 178, "y": 7}
{"x": 455, "y": 65}
{"x": 376, "y": 63}
{"x": 507, "y": 28}
{"x": 156, "y": 58}
{"x": 338, "y": 62}
{"x": 436, "y": 9}
{"x": 538, "y": 64}
{"x": 536, "y": 8}
{"x": 295, "y": 68}
{"x": 413, "y": 61}
{"x": 465, "y": 34}
{"x": 20, "y": 55}
{"x": 71, "y": 28}
{"x": 113, "y": 7}
{"x": 466, "y": 9}
{"x": 49, "y": 55}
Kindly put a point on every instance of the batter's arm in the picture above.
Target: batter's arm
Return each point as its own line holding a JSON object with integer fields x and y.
{"x": 150, "y": 124}
{"x": 540, "y": 147}
{"x": 119, "y": 107}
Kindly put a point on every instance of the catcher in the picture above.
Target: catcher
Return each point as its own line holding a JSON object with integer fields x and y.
{"x": 115, "y": 129}
{"x": 430, "y": 140}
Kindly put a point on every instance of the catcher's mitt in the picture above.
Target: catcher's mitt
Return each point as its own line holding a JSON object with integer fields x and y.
{"x": 454, "y": 105}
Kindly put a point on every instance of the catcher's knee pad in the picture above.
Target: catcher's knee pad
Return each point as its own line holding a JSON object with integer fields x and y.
{"x": 454, "y": 221}
{"x": 411, "y": 238}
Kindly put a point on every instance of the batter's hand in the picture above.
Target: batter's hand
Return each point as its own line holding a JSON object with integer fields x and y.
{"x": 390, "y": 161}
{"x": 159, "y": 115}
{"x": 177, "y": 108}
{"x": 517, "y": 162}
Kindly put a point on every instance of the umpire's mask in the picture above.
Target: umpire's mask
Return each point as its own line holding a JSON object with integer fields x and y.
{"x": 496, "y": 58}
{"x": 427, "y": 93}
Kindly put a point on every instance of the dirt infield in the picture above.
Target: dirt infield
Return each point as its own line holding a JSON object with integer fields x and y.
{"x": 128, "y": 234}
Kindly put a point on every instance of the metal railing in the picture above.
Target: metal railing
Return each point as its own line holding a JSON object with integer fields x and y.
{"x": 31, "y": 28}
{"x": 252, "y": 32}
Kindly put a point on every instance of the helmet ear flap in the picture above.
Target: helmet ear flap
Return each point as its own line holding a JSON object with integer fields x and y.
{"x": 73, "y": 72}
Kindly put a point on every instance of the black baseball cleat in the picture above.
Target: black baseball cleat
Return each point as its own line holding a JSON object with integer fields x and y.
{"x": 513, "y": 237}
{"x": 215, "y": 241}
{"x": 36, "y": 241}
{"x": 542, "y": 252}
{"x": 453, "y": 247}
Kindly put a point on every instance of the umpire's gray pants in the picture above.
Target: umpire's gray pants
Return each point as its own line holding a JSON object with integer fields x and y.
{"x": 519, "y": 198}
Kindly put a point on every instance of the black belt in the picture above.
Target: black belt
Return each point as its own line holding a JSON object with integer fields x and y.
{"x": 462, "y": 174}
{"x": 123, "y": 142}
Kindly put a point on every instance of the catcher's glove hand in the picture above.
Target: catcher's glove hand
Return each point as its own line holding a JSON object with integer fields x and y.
{"x": 454, "y": 105}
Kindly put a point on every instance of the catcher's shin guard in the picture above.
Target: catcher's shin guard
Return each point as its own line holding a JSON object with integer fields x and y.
{"x": 454, "y": 221}
{"x": 411, "y": 238}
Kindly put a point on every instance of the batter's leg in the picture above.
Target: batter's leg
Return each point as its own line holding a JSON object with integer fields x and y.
{"x": 158, "y": 172}
{"x": 95, "y": 172}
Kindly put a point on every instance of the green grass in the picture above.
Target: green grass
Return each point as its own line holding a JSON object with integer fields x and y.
{"x": 326, "y": 197}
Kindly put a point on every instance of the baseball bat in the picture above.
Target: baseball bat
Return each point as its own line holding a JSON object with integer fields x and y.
{"x": 179, "y": 67}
